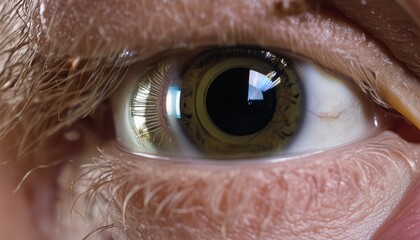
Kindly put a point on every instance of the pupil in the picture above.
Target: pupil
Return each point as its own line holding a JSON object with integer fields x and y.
{"x": 241, "y": 101}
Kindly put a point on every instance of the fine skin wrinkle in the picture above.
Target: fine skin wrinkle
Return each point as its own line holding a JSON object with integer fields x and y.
{"x": 344, "y": 188}
{"x": 61, "y": 60}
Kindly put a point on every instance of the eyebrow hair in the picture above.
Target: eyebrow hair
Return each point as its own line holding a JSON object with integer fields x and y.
{"x": 46, "y": 93}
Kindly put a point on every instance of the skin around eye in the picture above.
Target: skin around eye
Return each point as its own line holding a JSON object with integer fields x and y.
{"x": 320, "y": 116}
{"x": 345, "y": 193}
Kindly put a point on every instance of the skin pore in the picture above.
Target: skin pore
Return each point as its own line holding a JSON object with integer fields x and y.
{"x": 56, "y": 115}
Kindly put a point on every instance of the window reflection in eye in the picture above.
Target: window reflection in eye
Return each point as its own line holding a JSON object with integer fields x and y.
{"x": 249, "y": 100}
{"x": 238, "y": 103}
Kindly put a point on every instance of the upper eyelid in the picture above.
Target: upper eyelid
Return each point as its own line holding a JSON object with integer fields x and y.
{"x": 223, "y": 26}
{"x": 314, "y": 35}
{"x": 261, "y": 31}
{"x": 124, "y": 23}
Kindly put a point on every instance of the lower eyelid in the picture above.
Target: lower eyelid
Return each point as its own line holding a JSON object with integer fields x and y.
{"x": 349, "y": 182}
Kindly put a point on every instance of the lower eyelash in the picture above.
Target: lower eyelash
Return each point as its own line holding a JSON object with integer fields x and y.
{"x": 148, "y": 188}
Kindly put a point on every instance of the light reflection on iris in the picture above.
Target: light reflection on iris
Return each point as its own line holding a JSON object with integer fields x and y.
{"x": 173, "y": 99}
{"x": 259, "y": 84}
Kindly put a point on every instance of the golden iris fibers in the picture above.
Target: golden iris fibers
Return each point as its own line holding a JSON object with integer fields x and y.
{"x": 227, "y": 103}
{"x": 240, "y": 101}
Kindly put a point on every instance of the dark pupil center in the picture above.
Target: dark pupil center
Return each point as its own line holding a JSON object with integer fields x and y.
{"x": 238, "y": 103}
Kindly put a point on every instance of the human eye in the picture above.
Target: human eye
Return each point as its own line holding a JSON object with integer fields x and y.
{"x": 74, "y": 59}
{"x": 263, "y": 197}
{"x": 238, "y": 102}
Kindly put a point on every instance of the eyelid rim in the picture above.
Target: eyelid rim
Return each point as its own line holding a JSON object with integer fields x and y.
{"x": 200, "y": 160}
{"x": 382, "y": 121}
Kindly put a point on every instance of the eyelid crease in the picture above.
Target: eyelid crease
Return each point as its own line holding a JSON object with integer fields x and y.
{"x": 70, "y": 23}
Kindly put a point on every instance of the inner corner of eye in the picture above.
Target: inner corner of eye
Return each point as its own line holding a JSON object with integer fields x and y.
{"x": 239, "y": 102}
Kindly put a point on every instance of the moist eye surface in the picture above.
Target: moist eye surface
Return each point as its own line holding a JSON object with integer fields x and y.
{"x": 237, "y": 103}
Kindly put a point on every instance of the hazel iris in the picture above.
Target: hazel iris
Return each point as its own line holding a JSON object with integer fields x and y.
{"x": 237, "y": 101}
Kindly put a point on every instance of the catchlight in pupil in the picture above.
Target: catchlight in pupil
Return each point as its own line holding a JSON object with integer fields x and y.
{"x": 241, "y": 101}
{"x": 238, "y": 102}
